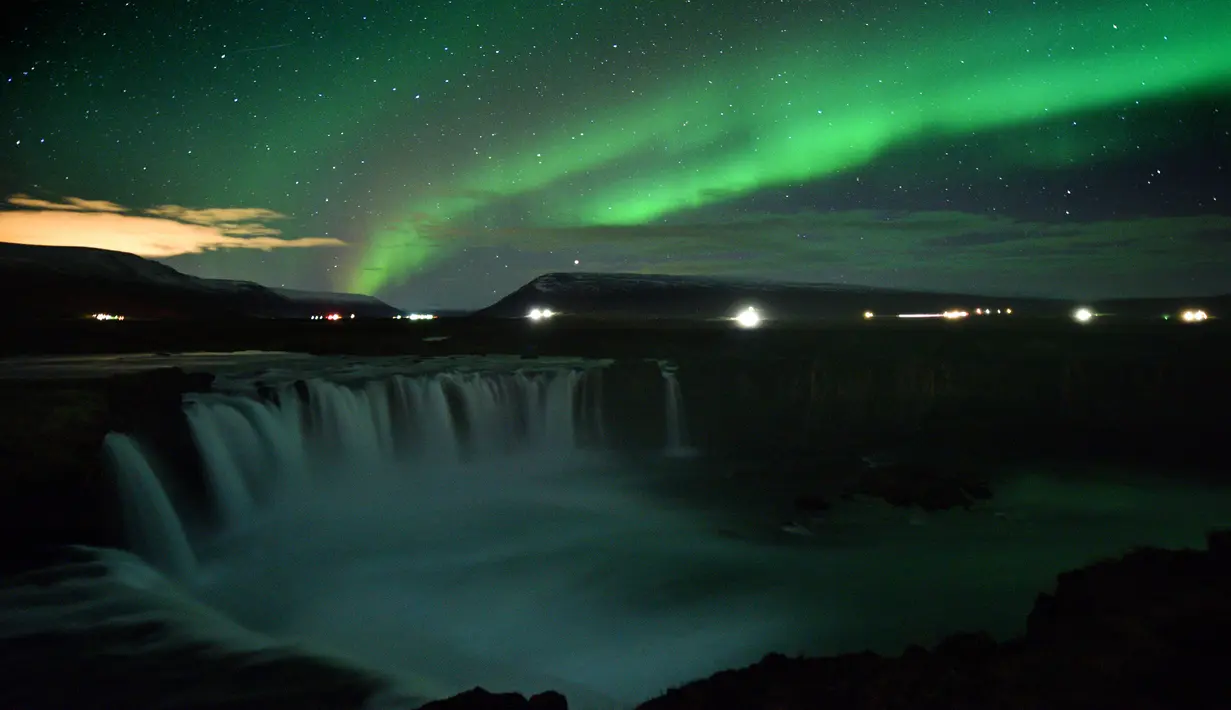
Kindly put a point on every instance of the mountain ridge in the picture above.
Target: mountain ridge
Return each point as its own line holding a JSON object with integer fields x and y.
{"x": 711, "y": 297}
{"x": 73, "y": 282}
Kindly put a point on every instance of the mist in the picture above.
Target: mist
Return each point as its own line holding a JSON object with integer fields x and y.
{"x": 569, "y": 572}
{"x": 470, "y": 540}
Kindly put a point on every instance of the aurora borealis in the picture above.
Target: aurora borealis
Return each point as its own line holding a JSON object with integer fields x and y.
{"x": 458, "y": 149}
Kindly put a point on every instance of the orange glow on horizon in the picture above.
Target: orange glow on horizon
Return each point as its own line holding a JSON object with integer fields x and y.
{"x": 102, "y": 225}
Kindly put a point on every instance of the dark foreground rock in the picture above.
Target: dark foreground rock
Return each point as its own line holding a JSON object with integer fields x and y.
{"x": 1149, "y": 631}
{"x": 55, "y": 489}
{"x": 926, "y": 486}
{"x": 480, "y": 699}
{"x": 903, "y": 484}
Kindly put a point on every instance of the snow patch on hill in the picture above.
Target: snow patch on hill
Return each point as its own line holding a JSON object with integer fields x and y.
{"x": 330, "y": 296}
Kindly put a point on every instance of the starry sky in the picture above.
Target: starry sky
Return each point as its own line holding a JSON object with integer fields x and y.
{"x": 440, "y": 154}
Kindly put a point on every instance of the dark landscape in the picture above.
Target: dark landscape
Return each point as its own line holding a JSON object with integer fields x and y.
{"x": 792, "y": 436}
{"x": 656, "y": 355}
{"x": 73, "y": 283}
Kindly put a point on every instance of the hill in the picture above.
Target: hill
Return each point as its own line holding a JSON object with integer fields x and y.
{"x": 695, "y": 297}
{"x": 71, "y": 282}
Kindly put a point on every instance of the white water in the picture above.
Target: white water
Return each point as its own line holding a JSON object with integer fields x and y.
{"x": 677, "y": 425}
{"x": 280, "y": 449}
{"x": 152, "y": 524}
{"x": 449, "y": 532}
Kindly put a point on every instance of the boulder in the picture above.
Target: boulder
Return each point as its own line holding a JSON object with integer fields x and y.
{"x": 918, "y": 484}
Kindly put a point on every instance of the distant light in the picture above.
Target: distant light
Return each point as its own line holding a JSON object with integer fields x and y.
{"x": 978, "y": 311}
{"x": 1083, "y": 315}
{"x": 333, "y": 316}
{"x": 868, "y": 315}
{"x": 416, "y": 316}
{"x": 1194, "y": 316}
{"x": 748, "y": 318}
{"x": 537, "y": 314}
{"x": 1008, "y": 311}
{"x": 106, "y": 316}
{"x": 576, "y": 262}
{"x": 950, "y": 315}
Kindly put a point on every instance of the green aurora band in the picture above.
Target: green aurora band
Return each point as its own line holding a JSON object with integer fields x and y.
{"x": 806, "y": 110}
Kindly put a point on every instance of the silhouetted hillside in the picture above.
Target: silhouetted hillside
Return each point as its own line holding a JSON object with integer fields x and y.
{"x": 694, "y": 297}
{"x": 39, "y": 282}
{"x": 664, "y": 296}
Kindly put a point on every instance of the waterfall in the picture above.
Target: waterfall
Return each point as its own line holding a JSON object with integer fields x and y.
{"x": 210, "y": 426}
{"x": 559, "y": 402}
{"x": 152, "y": 525}
{"x": 253, "y": 450}
{"x": 677, "y": 426}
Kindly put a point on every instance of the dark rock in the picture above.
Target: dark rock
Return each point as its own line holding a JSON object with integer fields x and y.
{"x": 55, "y": 489}
{"x": 978, "y": 490}
{"x": 811, "y": 504}
{"x": 550, "y": 700}
{"x": 480, "y": 699}
{"x": 966, "y": 646}
{"x": 1219, "y": 542}
{"x": 922, "y": 485}
{"x": 266, "y": 393}
{"x": 301, "y": 391}
{"x": 1145, "y": 632}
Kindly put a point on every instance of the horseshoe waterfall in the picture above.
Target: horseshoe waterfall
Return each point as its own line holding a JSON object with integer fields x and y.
{"x": 484, "y": 528}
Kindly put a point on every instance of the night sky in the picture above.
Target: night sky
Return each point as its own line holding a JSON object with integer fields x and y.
{"x": 440, "y": 154}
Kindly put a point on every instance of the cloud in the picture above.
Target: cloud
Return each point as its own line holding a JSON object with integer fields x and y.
{"x": 214, "y": 216}
{"x": 159, "y": 232}
{"x": 75, "y": 204}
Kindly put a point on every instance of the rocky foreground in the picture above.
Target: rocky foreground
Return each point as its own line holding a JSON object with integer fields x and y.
{"x": 1149, "y": 631}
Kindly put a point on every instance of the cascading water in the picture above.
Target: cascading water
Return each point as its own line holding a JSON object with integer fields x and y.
{"x": 677, "y": 425}
{"x": 153, "y": 527}
{"x": 450, "y": 531}
{"x": 251, "y": 448}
